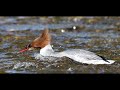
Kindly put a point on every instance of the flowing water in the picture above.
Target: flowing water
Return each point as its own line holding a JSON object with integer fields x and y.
{"x": 97, "y": 34}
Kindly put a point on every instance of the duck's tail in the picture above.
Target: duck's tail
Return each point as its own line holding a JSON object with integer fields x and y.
{"x": 107, "y": 61}
{"x": 110, "y": 61}
{"x": 96, "y": 62}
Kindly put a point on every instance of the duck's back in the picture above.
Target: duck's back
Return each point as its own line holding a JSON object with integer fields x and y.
{"x": 85, "y": 56}
{"x": 82, "y": 53}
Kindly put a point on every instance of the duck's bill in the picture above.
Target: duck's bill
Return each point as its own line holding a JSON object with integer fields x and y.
{"x": 23, "y": 50}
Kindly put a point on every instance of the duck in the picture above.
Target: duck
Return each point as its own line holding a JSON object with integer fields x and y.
{"x": 43, "y": 42}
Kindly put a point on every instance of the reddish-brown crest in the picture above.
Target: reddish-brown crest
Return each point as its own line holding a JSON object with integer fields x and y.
{"x": 43, "y": 40}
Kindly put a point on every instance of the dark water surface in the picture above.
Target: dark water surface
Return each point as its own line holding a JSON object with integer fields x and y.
{"x": 97, "y": 34}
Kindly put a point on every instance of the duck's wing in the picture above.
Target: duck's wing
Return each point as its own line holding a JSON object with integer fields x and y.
{"x": 87, "y": 57}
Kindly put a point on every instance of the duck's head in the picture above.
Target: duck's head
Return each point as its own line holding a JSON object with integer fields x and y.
{"x": 40, "y": 42}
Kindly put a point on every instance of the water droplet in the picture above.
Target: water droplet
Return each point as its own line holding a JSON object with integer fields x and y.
{"x": 74, "y": 27}
{"x": 62, "y": 30}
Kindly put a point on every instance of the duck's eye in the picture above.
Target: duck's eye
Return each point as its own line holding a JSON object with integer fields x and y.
{"x": 28, "y": 46}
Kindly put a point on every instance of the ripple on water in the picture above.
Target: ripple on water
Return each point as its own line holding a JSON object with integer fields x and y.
{"x": 98, "y": 35}
{"x": 24, "y": 65}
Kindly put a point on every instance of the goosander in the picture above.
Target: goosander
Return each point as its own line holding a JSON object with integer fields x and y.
{"x": 43, "y": 42}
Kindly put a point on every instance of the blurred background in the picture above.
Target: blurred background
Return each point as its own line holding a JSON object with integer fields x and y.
{"x": 97, "y": 34}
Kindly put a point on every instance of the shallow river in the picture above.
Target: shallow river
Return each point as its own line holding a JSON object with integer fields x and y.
{"x": 97, "y": 34}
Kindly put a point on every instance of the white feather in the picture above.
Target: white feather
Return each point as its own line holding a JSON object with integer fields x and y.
{"x": 78, "y": 55}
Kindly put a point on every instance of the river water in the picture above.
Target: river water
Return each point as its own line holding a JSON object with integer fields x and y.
{"x": 96, "y": 34}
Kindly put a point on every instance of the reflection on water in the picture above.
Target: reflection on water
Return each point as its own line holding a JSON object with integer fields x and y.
{"x": 96, "y": 34}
